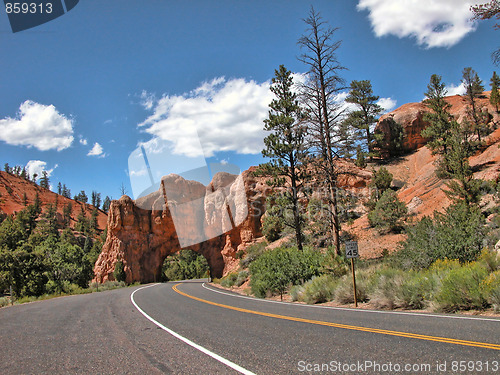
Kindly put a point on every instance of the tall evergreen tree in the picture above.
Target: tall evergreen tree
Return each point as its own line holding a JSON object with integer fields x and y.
{"x": 440, "y": 119}
{"x": 450, "y": 140}
{"x": 361, "y": 95}
{"x": 495, "y": 94}
{"x": 67, "y": 214}
{"x": 474, "y": 88}
{"x": 81, "y": 197}
{"x": 96, "y": 199}
{"x": 106, "y": 204}
{"x": 44, "y": 180}
{"x": 324, "y": 113}
{"x": 59, "y": 188}
{"x": 66, "y": 192}
{"x": 285, "y": 146}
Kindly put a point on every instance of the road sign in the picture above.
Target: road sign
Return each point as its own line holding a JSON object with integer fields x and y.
{"x": 351, "y": 249}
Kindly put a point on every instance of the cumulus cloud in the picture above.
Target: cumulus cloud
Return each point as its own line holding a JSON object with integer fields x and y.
{"x": 221, "y": 115}
{"x": 37, "y": 125}
{"x": 83, "y": 141}
{"x": 455, "y": 90}
{"x": 388, "y": 104}
{"x": 432, "y": 23}
{"x": 96, "y": 151}
{"x": 37, "y": 167}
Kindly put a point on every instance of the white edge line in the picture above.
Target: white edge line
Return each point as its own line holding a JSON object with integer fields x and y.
{"x": 213, "y": 289}
{"x": 187, "y": 341}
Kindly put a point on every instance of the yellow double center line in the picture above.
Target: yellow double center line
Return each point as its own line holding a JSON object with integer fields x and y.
{"x": 345, "y": 326}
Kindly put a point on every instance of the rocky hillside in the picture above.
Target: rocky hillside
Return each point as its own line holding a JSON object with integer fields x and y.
{"x": 142, "y": 233}
{"x": 414, "y": 173}
{"x": 13, "y": 189}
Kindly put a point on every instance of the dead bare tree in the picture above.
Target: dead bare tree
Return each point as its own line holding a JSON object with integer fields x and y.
{"x": 318, "y": 94}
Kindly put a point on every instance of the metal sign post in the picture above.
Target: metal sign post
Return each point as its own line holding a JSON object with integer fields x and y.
{"x": 351, "y": 251}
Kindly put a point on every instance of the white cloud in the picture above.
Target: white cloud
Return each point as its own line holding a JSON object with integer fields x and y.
{"x": 222, "y": 115}
{"x": 37, "y": 167}
{"x": 147, "y": 99}
{"x": 83, "y": 141}
{"x": 388, "y": 104}
{"x": 455, "y": 90}
{"x": 433, "y": 23}
{"x": 141, "y": 172}
{"x": 96, "y": 151}
{"x": 37, "y": 125}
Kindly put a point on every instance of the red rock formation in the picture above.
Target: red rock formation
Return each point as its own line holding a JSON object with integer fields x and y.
{"x": 411, "y": 117}
{"x": 13, "y": 189}
{"x": 142, "y": 233}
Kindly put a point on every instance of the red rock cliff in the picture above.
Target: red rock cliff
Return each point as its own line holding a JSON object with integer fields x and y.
{"x": 411, "y": 117}
{"x": 142, "y": 233}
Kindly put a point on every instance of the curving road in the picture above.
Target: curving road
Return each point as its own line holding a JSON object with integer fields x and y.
{"x": 194, "y": 328}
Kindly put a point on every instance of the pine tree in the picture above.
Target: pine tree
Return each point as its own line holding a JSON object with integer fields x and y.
{"x": 23, "y": 173}
{"x": 361, "y": 95}
{"x": 495, "y": 94}
{"x": 44, "y": 181}
{"x": 106, "y": 204}
{"x": 93, "y": 220}
{"x": 440, "y": 119}
{"x": 6, "y": 168}
{"x": 96, "y": 199}
{"x": 285, "y": 145}
{"x": 66, "y": 192}
{"x": 81, "y": 197}
{"x": 67, "y": 214}
{"x": 37, "y": 205}
{"x": 59, "y": 188}
{"x": 474, "y": 88}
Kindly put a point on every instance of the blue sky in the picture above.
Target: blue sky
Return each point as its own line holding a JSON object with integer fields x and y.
{"x": 79, "y": 94}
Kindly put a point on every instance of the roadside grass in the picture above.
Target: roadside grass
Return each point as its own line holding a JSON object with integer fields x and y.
{"x": 72, "y": 290}
{"x": 446, "y": 286}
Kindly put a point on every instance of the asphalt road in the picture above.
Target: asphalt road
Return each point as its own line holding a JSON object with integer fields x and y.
{"x": 194, "y": 328}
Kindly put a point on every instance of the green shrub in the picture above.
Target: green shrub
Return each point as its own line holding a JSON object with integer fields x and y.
{"x": 384, "y": 285}
{"x": 253, "y": 252}
{"x": 119, "y": 271}
{"x": 275, "y": 270}
{"x": 456, "y": 234}
{"x": 184, "y": 265}
{"x": 296, "y": 292}
{"x": 381, "y": 179}
{"x": 333, "y": 264}
{"x": 415, "y": 290}
{"x": 242, "y": 277}
{"x": 344, "y": 292}
{"x": 490, "y": 259}
{"x": 491, "y": 290}
{"x": 272, "y": 226}
{"x": 388, "y": 212}
{"x": 4, "y": 301}
{"x": 229, "y": 280}
{"x": 319, "y": 289}
{"x": 461, "y": 289}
